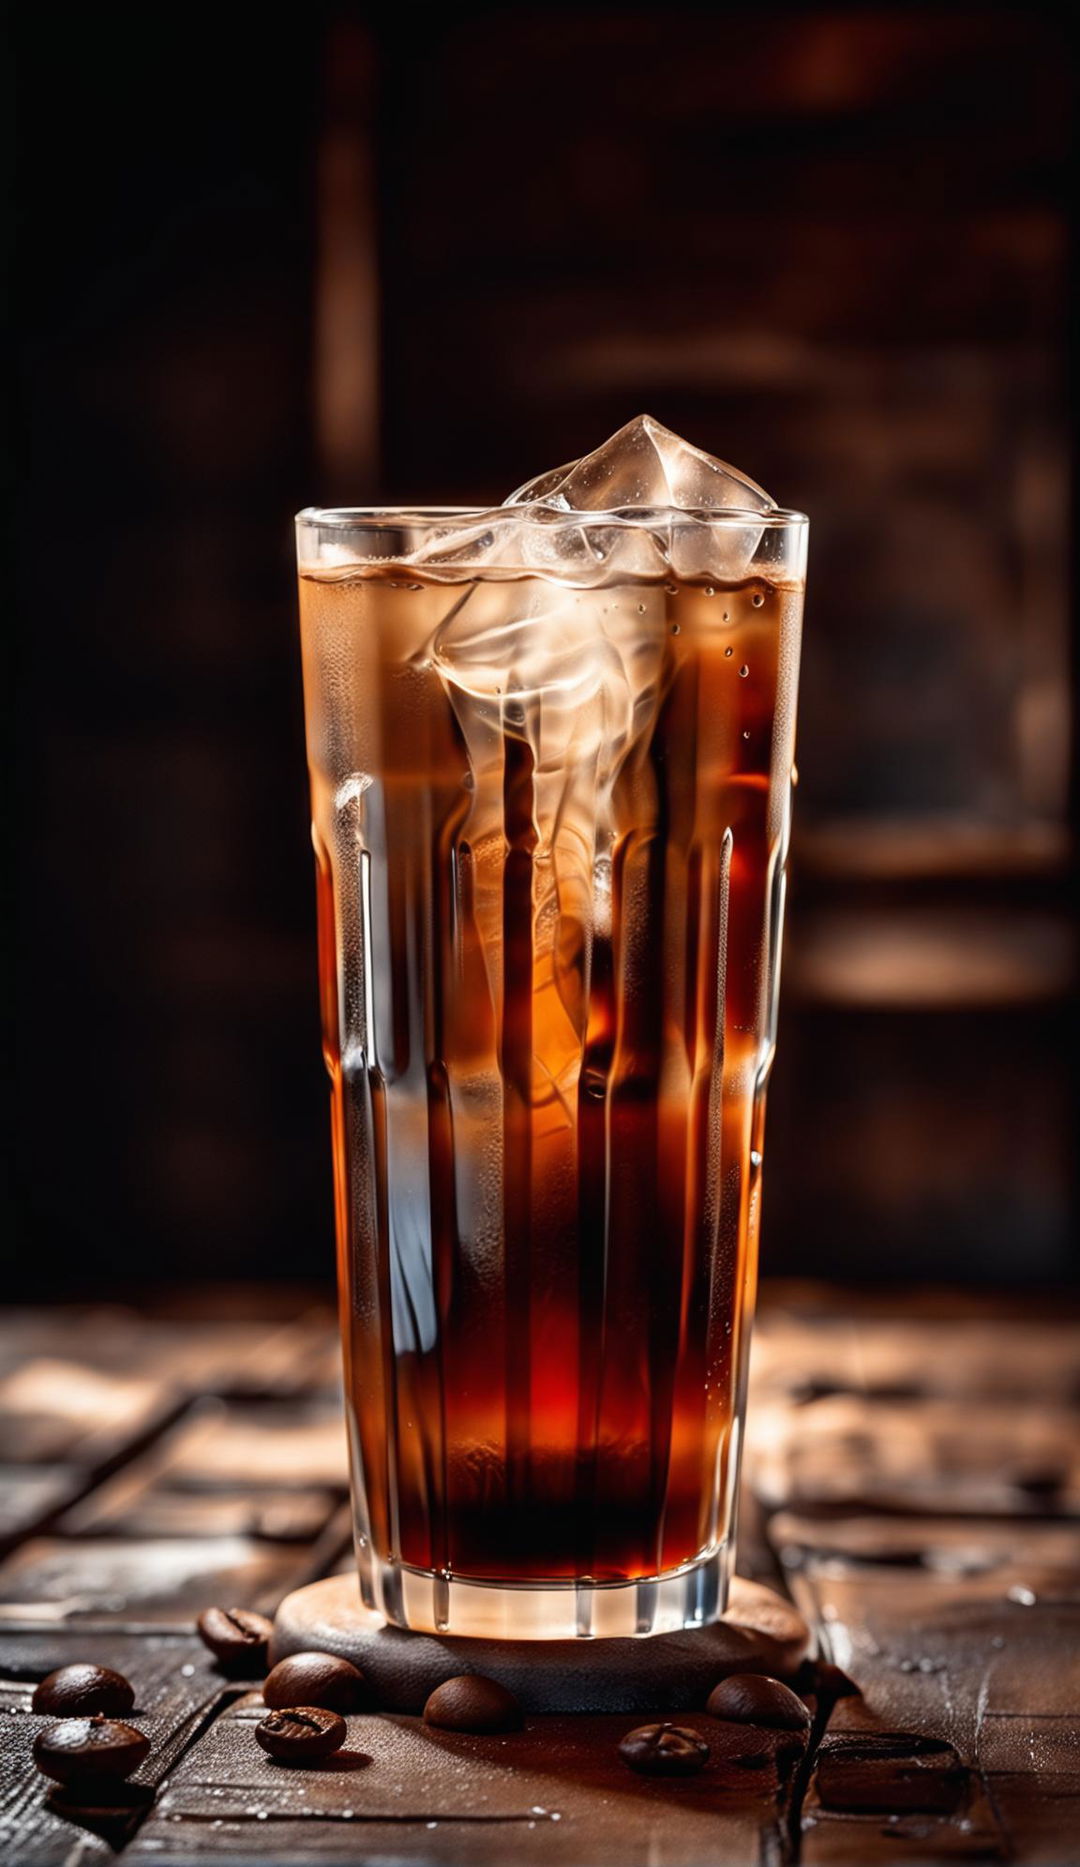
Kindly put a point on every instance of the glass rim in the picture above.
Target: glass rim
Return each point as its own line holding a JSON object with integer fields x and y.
{"x": 375, "y": 518}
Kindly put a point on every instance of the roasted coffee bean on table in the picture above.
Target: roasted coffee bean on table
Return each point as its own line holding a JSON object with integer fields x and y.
{"x": 82, "y": 1689}
{"x": 664, "y": 1750}
{"x": 751, "y": 1698}
{"x": 472, "y": 1702}
{"x": 235, "y": 1635}
{"x": 89, "y": 1749}
{"x": 315, "y": 1679}
{"x": 301, "y": 1734}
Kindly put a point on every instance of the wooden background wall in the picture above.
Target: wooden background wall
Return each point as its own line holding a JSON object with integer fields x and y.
{"x": 364, "y": 259}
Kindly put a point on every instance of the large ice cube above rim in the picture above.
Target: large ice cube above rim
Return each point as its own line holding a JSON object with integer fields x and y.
{"x": 645, "y": 466}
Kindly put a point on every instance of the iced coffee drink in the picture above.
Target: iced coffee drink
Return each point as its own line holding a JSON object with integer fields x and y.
{"x": 551, "y": 750}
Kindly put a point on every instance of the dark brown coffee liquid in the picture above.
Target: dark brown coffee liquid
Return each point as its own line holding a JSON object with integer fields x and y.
{"x": 549, "y": 888}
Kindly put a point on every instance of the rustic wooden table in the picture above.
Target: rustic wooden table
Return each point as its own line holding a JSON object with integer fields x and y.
{"x": 912, "y": 1478}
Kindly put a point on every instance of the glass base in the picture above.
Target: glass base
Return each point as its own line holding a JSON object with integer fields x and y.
{"x": 438, "y": 1604}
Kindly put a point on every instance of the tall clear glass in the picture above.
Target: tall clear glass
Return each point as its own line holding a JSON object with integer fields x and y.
{"x": 550, "y": 815}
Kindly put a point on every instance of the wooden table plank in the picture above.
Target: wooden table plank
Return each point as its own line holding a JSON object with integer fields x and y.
{"x": 557, "y": 1793}
{"x": 899, "y": 1345}
{"x": 30, "y": 1494}
{"x": 176, "y": 1687}
{"x": 276, "y": 1444}
{"x": 274, "y": 1470}
{"x": 162, "y": 1582}
{"x": 132, "y": 1506}
{"x": 975, "y": 1647}
{"x": 55, "y": 1409}
{"x": 205, "y": 1353}
{"x": 915, "y": 1413}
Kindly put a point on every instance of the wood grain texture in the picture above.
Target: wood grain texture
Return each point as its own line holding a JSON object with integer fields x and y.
{"x": 176, "y": 1689}
{"x": 964, "y": 1640}
{"x": 554, "y": 1792}
{"x": 161, "y": 1581}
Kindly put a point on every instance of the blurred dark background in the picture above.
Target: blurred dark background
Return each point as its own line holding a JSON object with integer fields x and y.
{"x": 358, "y": 256}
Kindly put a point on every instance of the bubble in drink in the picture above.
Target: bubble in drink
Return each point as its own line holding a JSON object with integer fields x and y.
{"x": 549, "y": 831}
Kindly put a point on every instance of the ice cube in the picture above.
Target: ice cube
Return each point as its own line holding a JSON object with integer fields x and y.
{"x": 511, "y": 542}
{"x": 641, "y": 507}
{"x": 522, "y": 640}
{"x": 644, "y": 464}
{"x": 567, "y": 670}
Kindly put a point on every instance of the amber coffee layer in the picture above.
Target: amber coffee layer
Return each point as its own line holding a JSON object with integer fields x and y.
{"x": 547, "y": 1080}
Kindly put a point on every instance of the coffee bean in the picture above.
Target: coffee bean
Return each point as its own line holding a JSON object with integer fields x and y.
{"x": 664, "y": 1750}
{"x": 473, "y": 1703}
{"x": 315, "y": 1679}
{"x": 750, "y": 1698}
{"x": 301, "y": 1734}
{"x": 83, "y": 1688}
{"x": 88, "y": 1749}
{"x": 235, "y": 1635}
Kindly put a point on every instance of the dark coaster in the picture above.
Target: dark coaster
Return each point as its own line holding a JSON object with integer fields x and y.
{"x": 761, "y": 1632}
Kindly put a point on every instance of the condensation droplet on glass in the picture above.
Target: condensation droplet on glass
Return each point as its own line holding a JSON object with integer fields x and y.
{"x": 746, "y": 732}
{"x": 672, "y": 589}
{"x": 726, "y": 617}
{"x": 709, "y": 591}
{"x": 755, "y": 1157}
{"x": 674, "y": 628}
{"x": 757, "y": 599}
{"x": 743, "y": 672}
{"x": 641, "y": 609}
{"x": 728, "y": 652}
{"x": 1023, "y": 1597}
